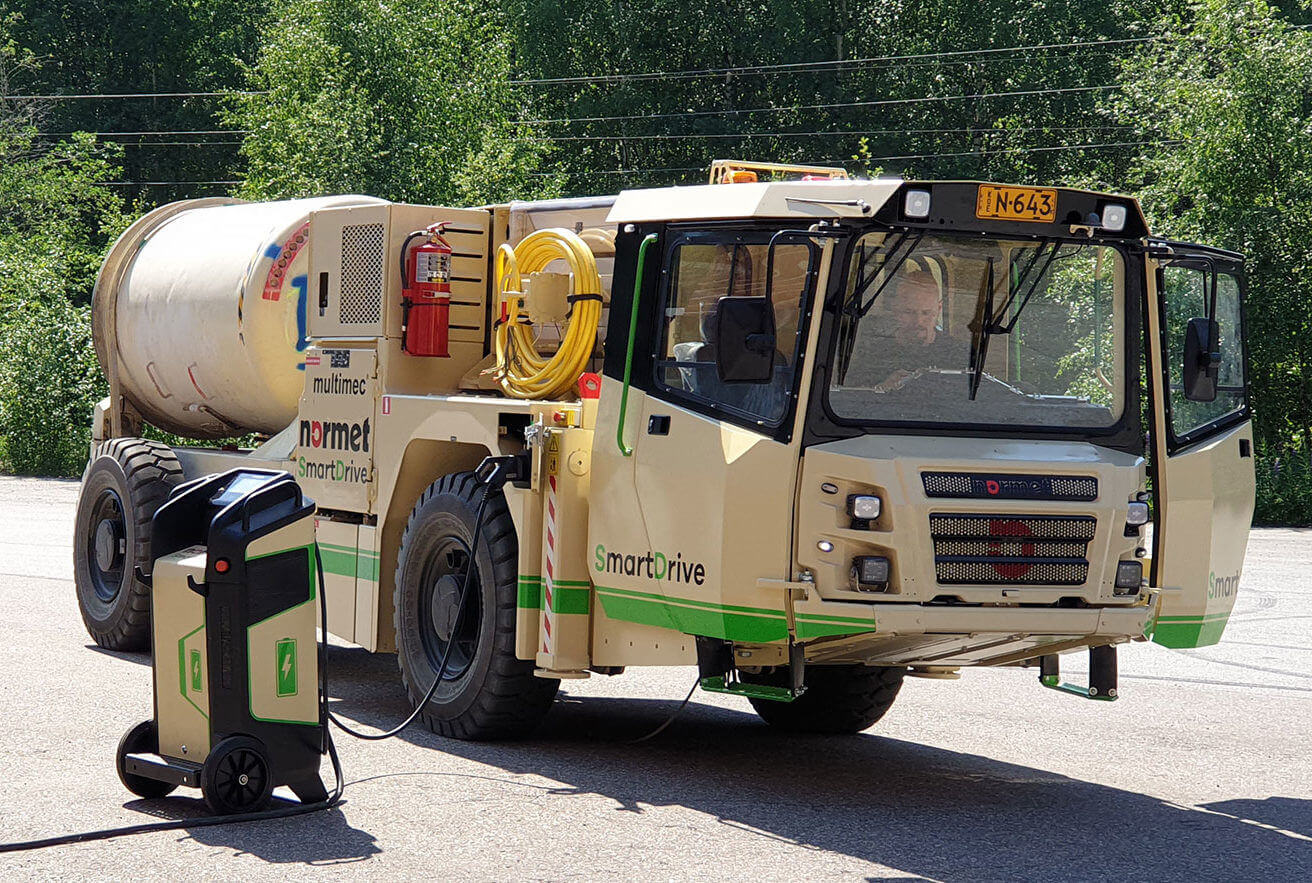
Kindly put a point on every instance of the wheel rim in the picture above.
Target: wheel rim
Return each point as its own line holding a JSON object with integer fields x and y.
{"x": 239, "y": 778}
{"x": 107, "y": 545}
{"x": 442, "y": 579}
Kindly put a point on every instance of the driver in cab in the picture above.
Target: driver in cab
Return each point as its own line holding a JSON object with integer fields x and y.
{"x": 901, "y": 338}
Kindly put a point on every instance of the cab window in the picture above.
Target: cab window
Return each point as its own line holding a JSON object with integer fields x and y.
{"x": 1185, "y": 295}
{"x": 705, "y": 268}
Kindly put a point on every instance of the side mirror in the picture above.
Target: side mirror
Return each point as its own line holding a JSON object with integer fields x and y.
{"x": 1202, "y": 360}
{"x": 744, "y": 340}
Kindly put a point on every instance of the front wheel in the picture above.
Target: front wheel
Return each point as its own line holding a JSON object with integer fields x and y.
{"x": 125, "y": 482}
{"x": 486, "y": 692}
{"x": 141, "y": 739}
{"x": 838, "y": 699}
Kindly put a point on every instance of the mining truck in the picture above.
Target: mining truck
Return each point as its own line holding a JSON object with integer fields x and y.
{"x": 805, "y": 433}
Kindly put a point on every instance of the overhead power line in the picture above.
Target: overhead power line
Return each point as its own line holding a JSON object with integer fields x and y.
{"x": 155, "y": 132}
{"x": 887, "y": 102}
{"x": 849, "y": 160}
{"x": 854, "y": 133}
{"x": 86, "y": 96}
{"x": 159, "y": 183}
{"x": 807, "y": 66}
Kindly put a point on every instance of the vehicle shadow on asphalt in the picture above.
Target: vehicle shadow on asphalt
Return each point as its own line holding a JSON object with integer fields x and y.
{"x": 923, "y": 810}
{"x": 319, "y": 838}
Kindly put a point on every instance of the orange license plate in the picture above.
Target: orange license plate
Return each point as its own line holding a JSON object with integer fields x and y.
{"x": 1016, "y": 204}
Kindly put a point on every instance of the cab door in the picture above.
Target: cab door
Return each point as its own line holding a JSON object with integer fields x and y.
{"x": 694, "y": 476}
{"x": 1202, "y": 440}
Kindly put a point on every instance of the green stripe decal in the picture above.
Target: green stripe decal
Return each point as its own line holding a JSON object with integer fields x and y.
{"x": 732, "y": 623}
{"x": 349, "y": 562}
{"x": 1186, "y": 632}
{"x": 571, "y": 596}
{"x": 530, "y": 593}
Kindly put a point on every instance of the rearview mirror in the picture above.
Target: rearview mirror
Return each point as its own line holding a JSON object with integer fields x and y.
{"x": 744, "y": 340}
{"x": 1202, "y": 360}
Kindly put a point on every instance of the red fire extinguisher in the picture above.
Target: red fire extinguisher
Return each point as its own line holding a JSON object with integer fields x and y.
{"x": 426, "y": 292}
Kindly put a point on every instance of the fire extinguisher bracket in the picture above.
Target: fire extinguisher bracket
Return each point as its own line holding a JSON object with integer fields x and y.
{"x": 426, "y": 293}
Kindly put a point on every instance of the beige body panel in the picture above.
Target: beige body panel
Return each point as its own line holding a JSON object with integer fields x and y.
{"x": 891, "y": 467}
{"x": 565, "y": 629}
{"x": 334, "y": 457}
{"x": 680, "y": 547}
{"x": 293, "y": 697}
{"x": 339, "y": 555}
{"x": 182, "y": 667}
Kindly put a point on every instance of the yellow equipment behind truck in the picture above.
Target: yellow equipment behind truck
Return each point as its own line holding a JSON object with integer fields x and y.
{"x": 808, "y": 435}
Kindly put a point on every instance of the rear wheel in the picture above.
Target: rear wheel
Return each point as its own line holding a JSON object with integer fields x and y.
{"x": 125, "y": 482}
{"x": 838, "y": 699}
{"x": 141, "y": 739}
{"x": 486, "y": 692}
{"x": 236, "y": 776}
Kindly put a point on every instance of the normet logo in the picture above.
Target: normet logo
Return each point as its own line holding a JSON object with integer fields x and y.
{"x": 335, "y": 436}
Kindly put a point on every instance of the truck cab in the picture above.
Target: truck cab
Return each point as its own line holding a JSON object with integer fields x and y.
{"x": 950, "y": 424}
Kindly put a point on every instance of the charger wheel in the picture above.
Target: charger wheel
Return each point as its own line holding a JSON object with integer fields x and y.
{"x": 141, "y": 739}
{"x": 838, "y": 698}
{"x": 236, "y": 777}
{"x": 126, "y": 480}
{"x": 486, "y": 692}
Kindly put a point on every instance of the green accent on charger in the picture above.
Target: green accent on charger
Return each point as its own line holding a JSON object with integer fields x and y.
{"x": 286, "y": 655}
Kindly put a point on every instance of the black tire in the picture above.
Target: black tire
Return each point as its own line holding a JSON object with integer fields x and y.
{"x": 838, "y": 699}
{"x": 236, "y": 777}
{"x": 125, "y": 482}
{"x": 141, "y": 739}
{"x": 486, "y": 693}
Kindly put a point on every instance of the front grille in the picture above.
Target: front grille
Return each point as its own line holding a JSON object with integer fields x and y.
{"x": 1009, "y": 486}
{"x": 1035, "y": 550}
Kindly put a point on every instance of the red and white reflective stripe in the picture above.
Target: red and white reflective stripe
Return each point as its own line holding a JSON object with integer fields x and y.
{"x": 549, "y": 583}
{"x": 387, "y": 404}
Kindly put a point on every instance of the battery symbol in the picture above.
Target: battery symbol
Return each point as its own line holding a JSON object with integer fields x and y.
{"x": 196, "y": 682}
{"x": 286, "y": 673}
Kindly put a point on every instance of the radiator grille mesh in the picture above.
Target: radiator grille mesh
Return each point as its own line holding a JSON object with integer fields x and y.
{"x": 1035, "y": 550}
{"x": 1009, "y": 486}
{"x": 361, "y": 299}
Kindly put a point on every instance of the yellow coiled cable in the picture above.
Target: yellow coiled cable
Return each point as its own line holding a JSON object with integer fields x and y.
{"x": 522, "y": 371}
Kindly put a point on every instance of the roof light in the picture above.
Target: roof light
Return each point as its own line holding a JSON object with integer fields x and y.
{"x": 1113, "y": 218}
{"x": 917, "y": 204}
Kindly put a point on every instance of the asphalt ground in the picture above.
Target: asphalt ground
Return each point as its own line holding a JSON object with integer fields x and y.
{"x": 1203, "y": 768}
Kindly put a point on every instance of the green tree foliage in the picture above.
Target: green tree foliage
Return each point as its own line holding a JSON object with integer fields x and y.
{"x": 403, "y": 99}
{"x": 1226, "y": 94}
{"x": 55, "y": 222}
{"x": 880, "y": 109}
{"x": 124, "y": 47}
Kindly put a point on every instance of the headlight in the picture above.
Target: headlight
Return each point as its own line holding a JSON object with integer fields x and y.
{"x": 917, "y": 204}
{"x": 1137, "y": 514}
{"x": 871, "y": 571}
{"x": 1113, "y": 217}
{"x": 865, "y": 507}
{"x": 1129, "y": 574}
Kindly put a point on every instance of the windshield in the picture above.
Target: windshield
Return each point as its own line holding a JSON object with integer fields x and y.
{"x": 945, "y": 329}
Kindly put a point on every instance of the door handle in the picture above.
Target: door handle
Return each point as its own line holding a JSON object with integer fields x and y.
{"x": 658, "y": 424}
{"x": 1245, "y": 448}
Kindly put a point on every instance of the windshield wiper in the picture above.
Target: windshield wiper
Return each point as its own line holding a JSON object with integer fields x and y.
{"x": 855, "y": 306}
{"x": 987, "y": 320}
{"x": 980, "y": 329}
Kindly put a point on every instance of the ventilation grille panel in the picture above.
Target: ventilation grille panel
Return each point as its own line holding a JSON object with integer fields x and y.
{"x": 1028, "y": 550}
{"x": 361, "y": 300}
{"x": 1009, "y": 486}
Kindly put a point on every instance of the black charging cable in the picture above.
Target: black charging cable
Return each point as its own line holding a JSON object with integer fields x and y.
{"x": 281, "y": 812}
{"x": 460, "y": 612}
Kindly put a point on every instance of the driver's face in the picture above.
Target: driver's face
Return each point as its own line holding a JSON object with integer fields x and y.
{"x": 915, "y": 312}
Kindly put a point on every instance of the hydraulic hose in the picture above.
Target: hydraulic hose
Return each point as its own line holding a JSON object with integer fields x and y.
{"x": 522, "y": 371}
